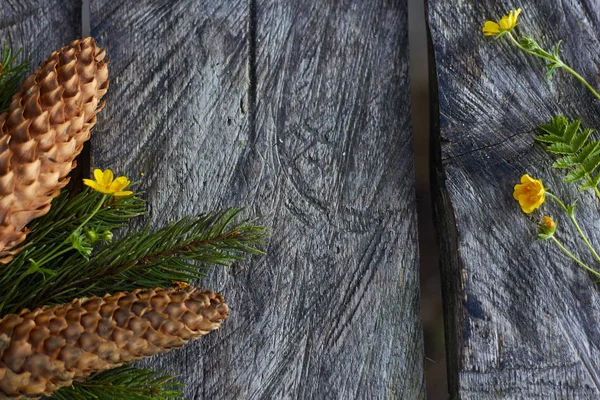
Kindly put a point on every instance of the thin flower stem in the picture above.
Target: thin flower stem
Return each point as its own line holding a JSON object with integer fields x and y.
{"x": 574, "y": 220}
{"x": 580, "y": 79}
{"x": 574, "y": 258}
{"x": 57, "y": 250}
{"x": 549, "y": 57}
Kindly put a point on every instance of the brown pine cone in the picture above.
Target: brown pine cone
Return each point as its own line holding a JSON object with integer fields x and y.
{"x": 50, "y": 347}
{"x": 43, "y": 131}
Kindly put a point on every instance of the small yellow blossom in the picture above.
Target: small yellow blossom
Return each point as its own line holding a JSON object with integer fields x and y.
{"x": 530, "y": 193}
{"x": 549, "y": 222}
{"x": 506, "y": 24}
{"x": 105, "y": 183}
{"x": 180, "y": 284}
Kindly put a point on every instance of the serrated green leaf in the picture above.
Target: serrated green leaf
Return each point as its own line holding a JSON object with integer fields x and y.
{"x": 575, "y": 175}
{"x": 571, "y": 130}
{"x": 560, "y": 148}
{"x": 579, "y": 139}
{"x": 549, "y": 138}
{"x": 557, "y": 126}
{"x": 565, "y": 162}
{"x": 589, "y": 150}
{"x": 591, "y": 164}
{"x": 588, "y": 184}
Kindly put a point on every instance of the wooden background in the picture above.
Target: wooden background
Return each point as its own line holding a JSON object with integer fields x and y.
{"x": 299, "y": 111}
{"x": 522, "y": 321}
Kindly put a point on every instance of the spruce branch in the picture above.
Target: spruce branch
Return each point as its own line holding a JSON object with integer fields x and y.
{"x": 11, "y": 75}
{"x": 123, "y": 383}
{"x": 578, "y": 154}
{"x": 180, "y": 251}
{"x": 67, "y": 214}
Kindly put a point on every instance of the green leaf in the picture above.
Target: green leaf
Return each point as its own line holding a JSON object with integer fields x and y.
{"x": 571, "y": 130}
{"x": 556, "y": 50}
{"x": 591, "y": 164}
{"x": 565, "y": 162}
{"x": 589, "y": 150}
{"x": 557, "y": 126}
{"x": 579, "y": 154}
{"x": 560, "y": 148}
{"x": 571, "y": 208}
{"x": 550, "y": 138}
{"x": 575, "y": 175}
{"x": 580, "y": 138}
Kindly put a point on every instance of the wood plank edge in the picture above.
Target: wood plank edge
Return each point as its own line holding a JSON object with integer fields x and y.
{"x": 445, "y": 229}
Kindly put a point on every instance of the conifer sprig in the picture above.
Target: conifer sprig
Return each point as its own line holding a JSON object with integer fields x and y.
{"x": 67, "y": 214}
{"x": 11, "y": 75}
{"x": 123, "y": 383}
{"x": 578, "y": 154}
{"x": 180, "y": 251}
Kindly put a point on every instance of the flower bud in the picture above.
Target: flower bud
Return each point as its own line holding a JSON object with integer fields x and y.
{"x": 92, "y": 236}
{"x": 107, "y": 236}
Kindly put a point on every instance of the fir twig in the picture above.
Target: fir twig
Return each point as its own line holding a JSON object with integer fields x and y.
{"x": 66, "y": 215}
{"x": 579, "y": 154}
{"x": 11, "y": 75}
{"x": 123, "y": 383}
{"x": 181, "y": 251}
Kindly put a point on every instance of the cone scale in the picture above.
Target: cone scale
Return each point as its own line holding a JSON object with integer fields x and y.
{"x": 50, "y": 347}
{"x": 43, "y": 131}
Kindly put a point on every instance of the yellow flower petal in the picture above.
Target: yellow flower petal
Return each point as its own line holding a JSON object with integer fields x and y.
{"x": 105, "y": 183}
{"x": 93, "y": 184}
{"x": 530, "y": 193}
{"x": 107, "y": 177}
{"x": 119, "y": 183}
{"x": 123, "y": 194}
{"x": 549, "y": 222}
{"x": 98, "y": 175}
{"x": 491, "y": 28}
{"x": 506, "y": 24}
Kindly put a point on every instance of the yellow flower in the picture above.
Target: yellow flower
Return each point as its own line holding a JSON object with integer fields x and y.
{"x": 105, "y": 183}
{"x": 530, "y": 193}
{"x": 181, "y": 285}
{"x": 506, "y": 24}
{"x": 549, "y": 222}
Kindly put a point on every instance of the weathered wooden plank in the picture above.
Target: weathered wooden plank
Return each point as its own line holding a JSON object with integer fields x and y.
{"x": 39, "y": 27}
{"x": 521, "y": 320}
{"x": 304, "y": 117}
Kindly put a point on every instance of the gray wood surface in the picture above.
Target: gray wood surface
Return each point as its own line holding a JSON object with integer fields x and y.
{"x": 303, "y": 116}
{"x": 521, "y": 320}
{"x": 39, "y": 27}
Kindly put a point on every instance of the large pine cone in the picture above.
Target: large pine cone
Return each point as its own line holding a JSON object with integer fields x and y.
{"x": 50, "y": 347}
{"x": 43, "y": 131}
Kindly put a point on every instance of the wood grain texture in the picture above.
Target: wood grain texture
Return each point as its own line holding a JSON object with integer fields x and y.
{"x": 304, "y": 117}
{"x": 522, "y": 321}
{"x": 39, "y": 27}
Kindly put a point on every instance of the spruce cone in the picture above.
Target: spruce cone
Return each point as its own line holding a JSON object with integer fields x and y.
{"x": 43, "y": 131}
{"x": 50, "y": 347}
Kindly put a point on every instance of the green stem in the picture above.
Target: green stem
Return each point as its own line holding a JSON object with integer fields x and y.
{"x": 57, "y": 250}
{"x": 574, "y": 220}
{"x": 580, "y": 79}
{"x": 549, "y": 57}
{"x": 577, "y": 260}
{"x": 589, "y": 178}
